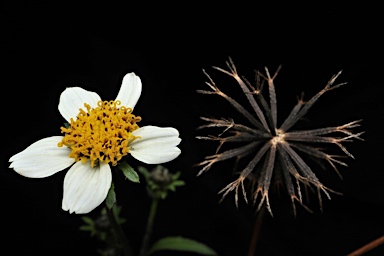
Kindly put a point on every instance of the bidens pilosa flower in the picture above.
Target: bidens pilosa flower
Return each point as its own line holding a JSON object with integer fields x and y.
{"x": 98, "y": 135}
{"x": 277, "y": 152}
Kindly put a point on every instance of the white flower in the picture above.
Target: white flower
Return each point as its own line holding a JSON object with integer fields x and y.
{"x": 100, "y": 134}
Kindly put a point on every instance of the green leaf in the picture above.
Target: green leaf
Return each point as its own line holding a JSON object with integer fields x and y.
{"x": 87, "y": 220}
{"x": 178, "y": 183}
{"x": 176, "y": 175}
{"x": 163, "y": 194}
{"x": 129, "y": 172}
{"x": 178, "y": 243}
{"x": 85, "y": 228}
{"x": 143, "y": 171}
{"x": 116, "y": 213}
{"x": 111, "y": 197}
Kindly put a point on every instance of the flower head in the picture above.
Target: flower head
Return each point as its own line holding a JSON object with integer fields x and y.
{"x": 277, "y": 152}
{"x": 98, "y": 135}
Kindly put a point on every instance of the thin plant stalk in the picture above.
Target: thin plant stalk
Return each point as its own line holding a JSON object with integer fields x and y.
{"x": 149, "y": 228}
{"x": 127, "y": 251}
{"x": 366, "y": 248}
{"x": 256, "y": 232}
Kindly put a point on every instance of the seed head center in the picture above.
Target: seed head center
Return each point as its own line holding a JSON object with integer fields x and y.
{"x": 101, "y": 134}
{"x": 279, "y": 138}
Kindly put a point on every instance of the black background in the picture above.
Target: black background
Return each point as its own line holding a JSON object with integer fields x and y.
{"x": 48, "y": 47}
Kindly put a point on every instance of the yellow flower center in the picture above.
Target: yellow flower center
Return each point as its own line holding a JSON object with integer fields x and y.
{"x": 101, "y": 134}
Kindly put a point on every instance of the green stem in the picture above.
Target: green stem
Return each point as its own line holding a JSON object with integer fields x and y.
{"x": 127, "y": 251}
{"x": 149, "y": 228}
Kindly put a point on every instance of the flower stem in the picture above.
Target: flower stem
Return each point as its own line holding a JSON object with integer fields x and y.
{"x": 375, "y": 243}
{"x": 256, "y": 232}
{"x": 127, "y": 251}
{"x": 149, "y": 228}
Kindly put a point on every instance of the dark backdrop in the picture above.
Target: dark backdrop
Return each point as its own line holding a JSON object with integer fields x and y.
{"x": 48, "y": 47}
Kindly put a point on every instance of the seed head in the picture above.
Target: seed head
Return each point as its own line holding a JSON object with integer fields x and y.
{"x": 277, "y": 149}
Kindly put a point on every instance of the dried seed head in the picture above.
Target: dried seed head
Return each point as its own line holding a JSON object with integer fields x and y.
{"x": 278, "y": 151}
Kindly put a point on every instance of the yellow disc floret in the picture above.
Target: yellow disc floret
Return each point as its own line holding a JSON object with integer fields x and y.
{"x": 101, "y": 134}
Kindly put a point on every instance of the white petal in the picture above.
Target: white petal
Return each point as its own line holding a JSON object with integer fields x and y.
{"x": 42, "y": 159}
{"x": 85, "y": 188}
{"x": 130, "y": 90}
{"x": 156, "y": 145}
{"x": 72, "y": 99}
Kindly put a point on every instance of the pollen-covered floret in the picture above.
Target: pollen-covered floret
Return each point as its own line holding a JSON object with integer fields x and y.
{"x": 101, "y": 134}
